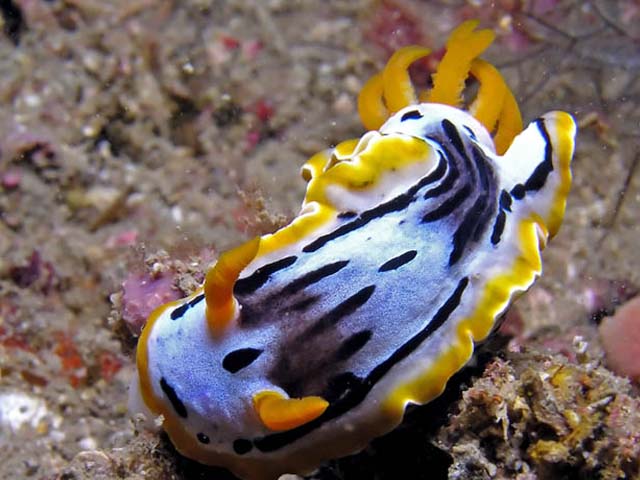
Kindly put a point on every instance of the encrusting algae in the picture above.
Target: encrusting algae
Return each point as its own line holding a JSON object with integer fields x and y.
{"x": 542, "y": 415}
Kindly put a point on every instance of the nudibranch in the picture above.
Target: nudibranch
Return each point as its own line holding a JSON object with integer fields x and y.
{"x": 304, "y": 344}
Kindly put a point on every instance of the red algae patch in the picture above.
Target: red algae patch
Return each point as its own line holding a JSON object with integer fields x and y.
{"x": 620, "y": 335}
{"x": 141, "y": 295}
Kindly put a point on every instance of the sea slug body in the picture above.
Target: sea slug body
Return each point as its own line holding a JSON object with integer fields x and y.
{"x": 305, "y": 344}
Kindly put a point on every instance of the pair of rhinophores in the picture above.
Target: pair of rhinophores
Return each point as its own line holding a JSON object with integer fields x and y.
{"x": 304, "y": 344}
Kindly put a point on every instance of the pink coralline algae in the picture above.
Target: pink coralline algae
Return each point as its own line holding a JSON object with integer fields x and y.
{"x": 620, "y": 335}
{"x": 122, "y": 239}
{"x": 11, "y": 179}
{"x": 141, "y": 294}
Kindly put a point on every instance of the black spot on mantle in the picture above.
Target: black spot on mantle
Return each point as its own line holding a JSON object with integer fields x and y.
{"x": 397, "y": 262}
{"x": 238, "y": 359}
{"x": 411, "y": 115}
{"x": 242, "y": 446}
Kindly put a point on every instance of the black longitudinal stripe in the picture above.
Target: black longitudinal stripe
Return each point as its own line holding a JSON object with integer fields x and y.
{"x": 466, "y": 228}
{"x": 454, "y": 137}
{"x": 478, "y": 168}
{"x": 347, "y": 307}
{"x": 501, "y": 219}
{"x": 505, "y": 201}
{"x": 470, "y": 132}
{"x": 438, "y": 172}
{"x": 469, "y": 165}
{"x": 397, "y": 262}
{"x": 488, "y": 189}
{"x": 448, "y": 206}
{"x": 351, "y": 345}
{"x": 447, "y": 183}
{"x": 360, "y": 389}
{"x": 482, "y": 168}
{"x": 396, "y": 204}
{"x": 313, "y": 277}
{"x": 340, "y": 386}
{"x": 171, "y": 394}
{"x": 518, "y": 191}
{"x": 258, "y": 278}
{"x": 411, "y": 115}
{"x": 538, "y": 178}
{"x": 235, "y": 361}
{"x": 349, "y": 214}
{"x": 304, "y": 303}
{"x": 197, "y": 299}
{"x": 498, "y": 227}
{"x": 180, "y": 311}
{"x": 485, "y": 217}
